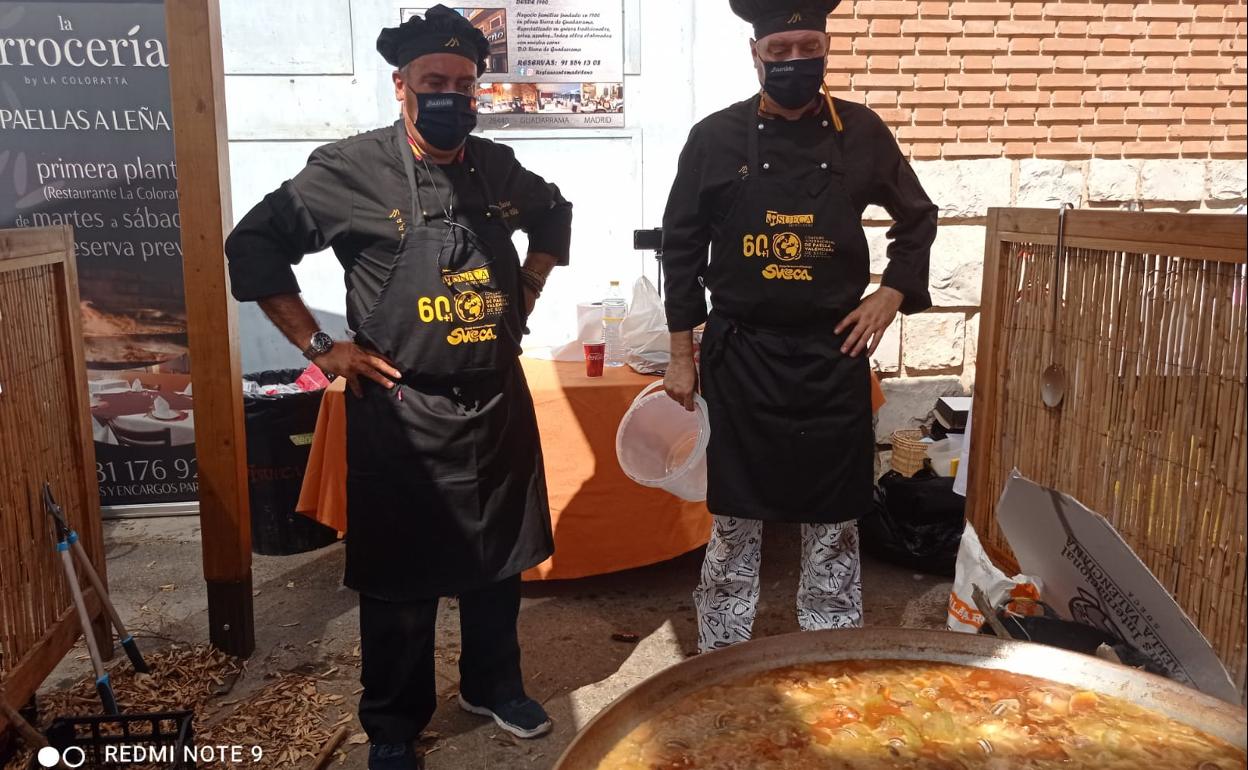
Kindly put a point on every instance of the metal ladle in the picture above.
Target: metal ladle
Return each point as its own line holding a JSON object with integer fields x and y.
{"x": 1053, "y": 378}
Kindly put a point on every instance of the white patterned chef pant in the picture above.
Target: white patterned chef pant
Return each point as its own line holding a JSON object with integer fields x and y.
{"x": 829, "y": 594}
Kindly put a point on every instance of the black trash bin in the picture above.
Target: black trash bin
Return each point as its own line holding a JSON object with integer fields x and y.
{"x": 279, "y": 440}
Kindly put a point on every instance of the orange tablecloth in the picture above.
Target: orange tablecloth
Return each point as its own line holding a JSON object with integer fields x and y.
{"x": 603, "y": 521}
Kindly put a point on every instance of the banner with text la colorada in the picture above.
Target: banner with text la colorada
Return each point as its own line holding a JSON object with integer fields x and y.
{"x": 86, "y": 140}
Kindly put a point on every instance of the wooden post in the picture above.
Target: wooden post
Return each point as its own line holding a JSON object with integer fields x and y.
{"x": 986, "y": 373}
{"x": 197, "y": 83}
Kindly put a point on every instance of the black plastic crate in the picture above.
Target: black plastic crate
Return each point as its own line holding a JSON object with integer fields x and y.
{"x": 166, "y": 741}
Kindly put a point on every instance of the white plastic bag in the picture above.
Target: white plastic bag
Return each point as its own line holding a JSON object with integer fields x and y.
{"x": 646, "y": 338}
{"x": 976, "y": 569}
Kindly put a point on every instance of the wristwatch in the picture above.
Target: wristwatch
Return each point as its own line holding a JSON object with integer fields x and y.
{"x": 321, "y": 344}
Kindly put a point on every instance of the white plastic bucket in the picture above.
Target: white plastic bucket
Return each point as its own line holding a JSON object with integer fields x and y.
{"x": 659, "y": 444}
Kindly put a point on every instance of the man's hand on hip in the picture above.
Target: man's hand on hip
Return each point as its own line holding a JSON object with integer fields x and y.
{"x": 866, "y": 325}
{"x": 346, "y": 359}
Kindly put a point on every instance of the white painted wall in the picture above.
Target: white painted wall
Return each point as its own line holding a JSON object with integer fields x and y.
{"x": 309, "y": 74}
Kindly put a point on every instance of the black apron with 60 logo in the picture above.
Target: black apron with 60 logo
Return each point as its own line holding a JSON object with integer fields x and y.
{"x": 446, "y": 488}
{"x": 791, "y": 429}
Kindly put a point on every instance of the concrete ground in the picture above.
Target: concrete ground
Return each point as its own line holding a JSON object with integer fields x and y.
{"x": 306, "y": 621}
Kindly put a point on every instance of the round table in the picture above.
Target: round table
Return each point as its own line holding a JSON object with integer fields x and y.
{"x": 131, "y": 410}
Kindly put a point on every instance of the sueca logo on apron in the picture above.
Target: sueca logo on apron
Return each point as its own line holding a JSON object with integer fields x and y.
{"x": 776, "y": 219}
{"x": 776, "y": 272}
{"x": 471, "y": 336}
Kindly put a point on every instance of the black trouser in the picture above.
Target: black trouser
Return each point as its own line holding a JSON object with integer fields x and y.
{"x": 396, "y": 650}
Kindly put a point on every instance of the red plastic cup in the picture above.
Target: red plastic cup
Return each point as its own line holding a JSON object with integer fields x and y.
{"x": 595, "y": 356}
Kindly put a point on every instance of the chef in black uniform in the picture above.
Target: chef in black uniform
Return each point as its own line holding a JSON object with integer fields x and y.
{"x": 775, "y": 187}
{"x": 446, "y": 492}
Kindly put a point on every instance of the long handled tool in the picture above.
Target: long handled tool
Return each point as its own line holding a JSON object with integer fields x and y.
{"x": 125, "y": 637}
{"x": 102, "y": 684}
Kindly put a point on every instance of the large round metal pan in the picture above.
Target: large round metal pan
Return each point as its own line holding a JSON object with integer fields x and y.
{"x": 1215, "y": 717}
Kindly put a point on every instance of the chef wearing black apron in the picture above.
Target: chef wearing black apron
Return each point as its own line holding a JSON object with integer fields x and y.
{"x": 776, "y": 187}
{"x": 446, "y": 490}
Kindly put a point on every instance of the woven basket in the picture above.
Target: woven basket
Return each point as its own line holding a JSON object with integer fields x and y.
{"x": 909, "y": 452}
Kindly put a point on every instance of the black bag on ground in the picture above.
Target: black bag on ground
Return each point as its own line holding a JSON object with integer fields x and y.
{"x": 279, "y": 440}
{"x": 915, "y": 523}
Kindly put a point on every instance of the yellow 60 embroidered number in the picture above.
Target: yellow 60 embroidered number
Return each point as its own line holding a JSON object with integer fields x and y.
{"x": 435, "y": 309}
{"x": 756, "y": 245}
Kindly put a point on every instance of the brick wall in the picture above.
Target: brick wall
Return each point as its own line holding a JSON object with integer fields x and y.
{"x": 1036, "y": 104}
{"x": 1048, "y": 79}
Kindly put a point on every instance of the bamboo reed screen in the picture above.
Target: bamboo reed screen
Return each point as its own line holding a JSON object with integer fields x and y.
{"x": 1150, "y": 329}
{"x": 45, "y": 434}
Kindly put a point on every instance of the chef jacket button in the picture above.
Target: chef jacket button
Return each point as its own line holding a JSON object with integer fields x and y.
{"x": 760, "y": 126}
{"x": 766, "y": 166}
{"x": 488, "y": 215}
{"x": 473, "y": 170}
{"x": 825, "y": 124}
{"x": 823, "y": 165}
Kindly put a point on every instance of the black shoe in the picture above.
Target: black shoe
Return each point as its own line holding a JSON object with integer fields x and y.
{"x": 523, "y": 718}
{"x": 394, "y": 756}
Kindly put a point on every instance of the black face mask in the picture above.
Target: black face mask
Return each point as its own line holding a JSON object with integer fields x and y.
{"x": 793, "y": 84}
{"x": 445, "y": 120}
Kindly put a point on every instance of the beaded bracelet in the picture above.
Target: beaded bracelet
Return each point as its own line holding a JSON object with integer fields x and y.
{"x": 533, "y": 279}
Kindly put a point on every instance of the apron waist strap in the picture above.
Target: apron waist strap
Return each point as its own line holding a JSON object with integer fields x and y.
{"x": 419, "y": 380}
{"x": 822, "y": 329}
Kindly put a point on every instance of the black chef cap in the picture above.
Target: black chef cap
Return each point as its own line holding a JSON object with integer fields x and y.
{"x": 441, "y": 31}
{"x": 772, "y": 16}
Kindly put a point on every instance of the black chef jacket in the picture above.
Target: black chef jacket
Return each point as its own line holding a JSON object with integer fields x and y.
{"x": 712, "y": 166}
{"x": 344, "y": 199}
{"x": 446, "y": 485}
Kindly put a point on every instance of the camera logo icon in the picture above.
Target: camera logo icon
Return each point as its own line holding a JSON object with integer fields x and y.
{"x": 72, "y": 757}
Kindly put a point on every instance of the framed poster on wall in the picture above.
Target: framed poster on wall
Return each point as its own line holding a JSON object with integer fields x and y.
{"x": 558, "y": 64}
